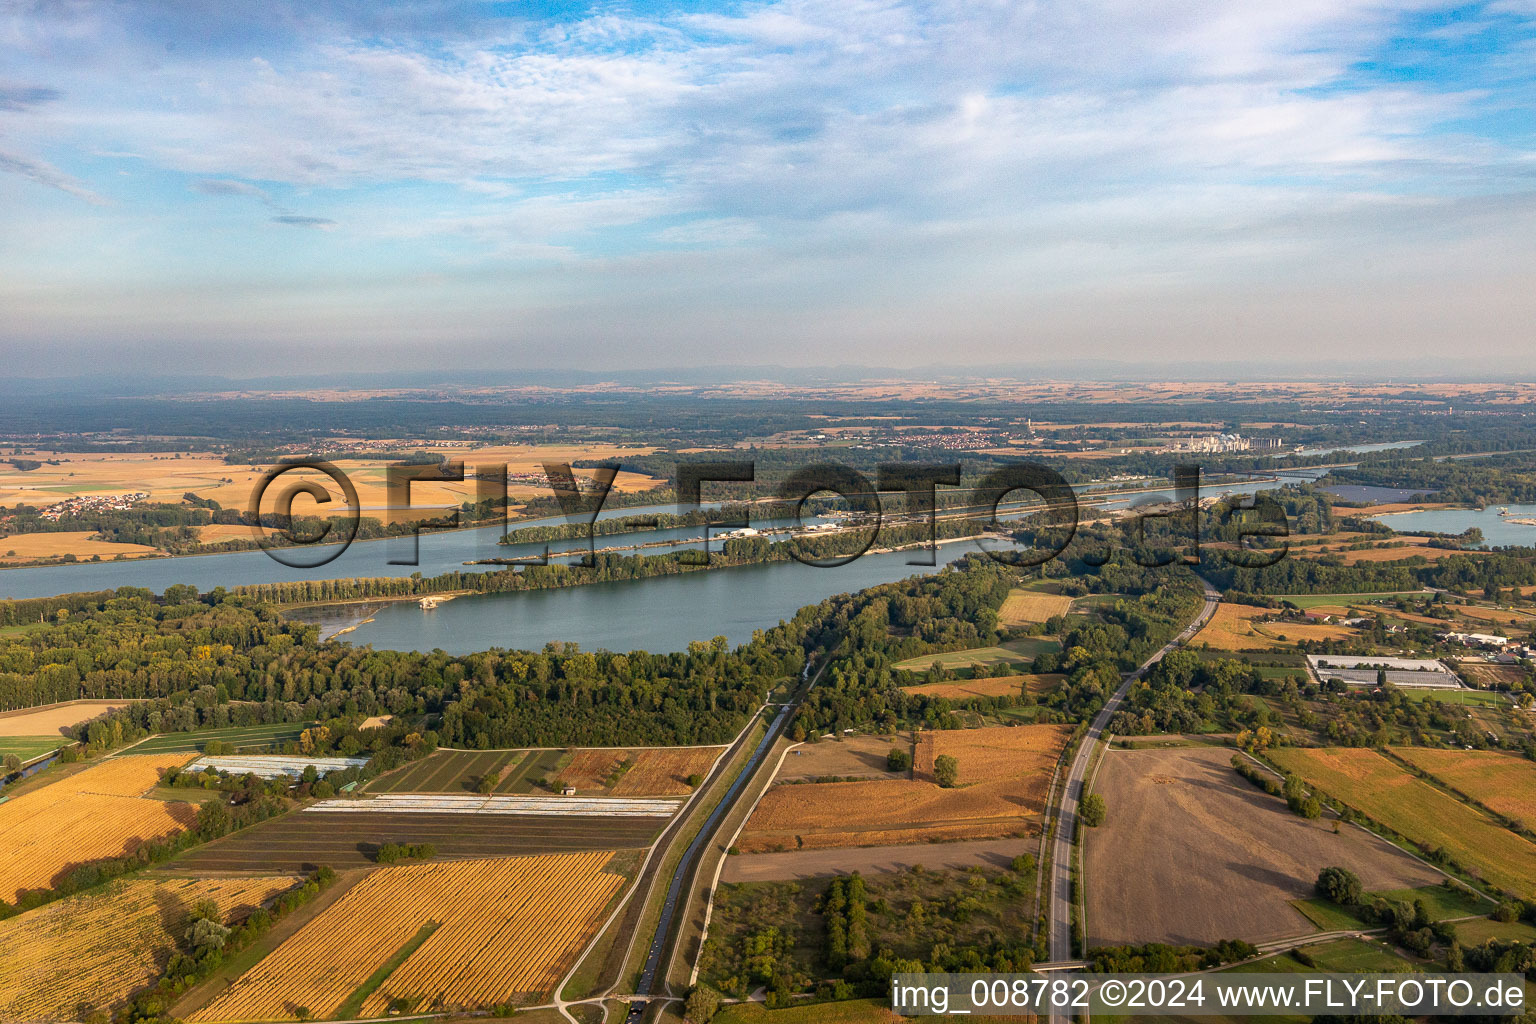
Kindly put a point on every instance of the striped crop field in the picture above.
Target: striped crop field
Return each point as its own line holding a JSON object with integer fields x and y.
{"x": 90, "y": 815}
{"x": 93, "y": 950}
{"x": 461, "y": 771}
{"x": 1369, "y": 782}
{"x": 506, "y": 930}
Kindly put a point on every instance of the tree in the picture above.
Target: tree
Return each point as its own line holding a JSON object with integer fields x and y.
{"x": 206, "y": 936}
{"x": 946, "y": 771}
{"x": 898, "y": 760}
{"x": 702, "y": 1005}
{"x": 1340, "y": 885}
{"x": 12, "y": 764}
{"x": 1093, "y": 810}
{"x": 487, "y": 782}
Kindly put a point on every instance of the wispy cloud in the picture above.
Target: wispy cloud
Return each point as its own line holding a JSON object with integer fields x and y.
{"x": 21, "y": 97}
{"x": 294, "y": 220}
{"x": 868, "y": 152}
{"x": 45, "y": 174}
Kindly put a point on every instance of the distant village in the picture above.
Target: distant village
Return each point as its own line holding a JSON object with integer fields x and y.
{"x": 92, "y": 503}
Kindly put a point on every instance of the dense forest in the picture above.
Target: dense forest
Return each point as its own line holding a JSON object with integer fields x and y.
{"x": 221, "y": 660}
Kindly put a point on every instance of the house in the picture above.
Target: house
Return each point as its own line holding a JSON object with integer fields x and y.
{"x": 568, "y": 791}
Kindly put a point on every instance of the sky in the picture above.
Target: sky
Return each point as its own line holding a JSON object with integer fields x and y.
{"x": 265, "y": 188}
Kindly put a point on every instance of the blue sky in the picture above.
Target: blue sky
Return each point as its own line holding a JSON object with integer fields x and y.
{"x": 254, "y": 188}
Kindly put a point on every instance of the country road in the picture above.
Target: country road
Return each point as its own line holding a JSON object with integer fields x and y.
{"x": 1066, "y": 811}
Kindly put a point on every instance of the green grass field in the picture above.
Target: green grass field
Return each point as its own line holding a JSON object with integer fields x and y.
{"x": 1477, "y": 698}
{"x": 1475, "y": 933}
{"x": 28, "y": 747}
{"x": 1441, "y": 902}
{"x": 1313, "y": 600}
{"x": 1014, "y": 652}
{"x": 238, "y": 736}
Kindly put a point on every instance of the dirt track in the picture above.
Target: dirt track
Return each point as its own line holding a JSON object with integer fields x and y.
{"x": 783, "y": 867}
{"x": 1192, "y": 852}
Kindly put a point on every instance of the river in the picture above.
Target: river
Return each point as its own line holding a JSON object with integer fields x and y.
{"x": 659, "y": 614}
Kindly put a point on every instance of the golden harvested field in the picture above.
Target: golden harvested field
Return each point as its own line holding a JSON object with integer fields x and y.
{"x": 1369, "y": 782}
{"x": 1014, "y": 774}
{"x": 87, "y": 816}
{"x": 660, "y": 772}
{"x": 990, "y": 686}
{"x": 1503, "y": 616}
{"x": 1500, "y": 780}
{"x": 51, "y": 720}
{"x": 655, "y": 771}
{"x": 28, "y": 547}
{"x": 1026, "y": 606}
{"x": 1232, "y": 629}
{"x": 1397, "y": 554}
{"x": 165, "y": 476}
{"x": 93, "y": 950}
{"x": 506, "y": 929}
{"x": 1001, "y": 752}
{"x": 590, "y": 769}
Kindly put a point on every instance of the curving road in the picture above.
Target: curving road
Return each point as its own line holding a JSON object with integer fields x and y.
{"x": 1066, "y": 810}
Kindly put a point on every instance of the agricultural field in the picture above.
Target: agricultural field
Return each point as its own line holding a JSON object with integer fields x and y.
{"x": 28, "y": 747}
{"x": 242, "y": 738}
{"x": 460, "y": 771}
{"x": 987, "y": 686}
{"x": 1503, "y": 782}
{"x": 996, "y": 754}
{"x": 1232, "y": 628}
{"x": 1013, "y": 652}
{"x": 874, "y": 860}
{"x": 93, "y": 950}
{"x": 304, "y": 841}
{"x": 1369, "y": 782}
{"x": 1002, "y": 793}
{"x": 1191, "y": 852}
{"x": 1485, "y": 673}
{"x": 166, "y": 476}
{"x": 90, "y": 815}
{"x": 51, "y": 721}
{"x": 656, "y": 771}
{"x": 484, "y": 932}
{"x": 1024, "y": 607}
{"x": 83, "y": 544}
{"x": 848, "y": 757}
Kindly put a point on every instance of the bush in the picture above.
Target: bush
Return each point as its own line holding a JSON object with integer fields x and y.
{"x": 1339, "y": 885}
{"x": 946, "y": 771}
{"x": 898, "y": 760}
{"x": 702, "y": 1005}
{"x": 1509, "y": 911}
{"x": 392, "y": 853}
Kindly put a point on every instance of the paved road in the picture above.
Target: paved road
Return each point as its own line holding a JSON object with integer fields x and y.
{"x": 1072, "y": 793}
{"x": 656, "y": 960}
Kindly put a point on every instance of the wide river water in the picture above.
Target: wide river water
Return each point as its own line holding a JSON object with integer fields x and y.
{"x": 660, "y": 614}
